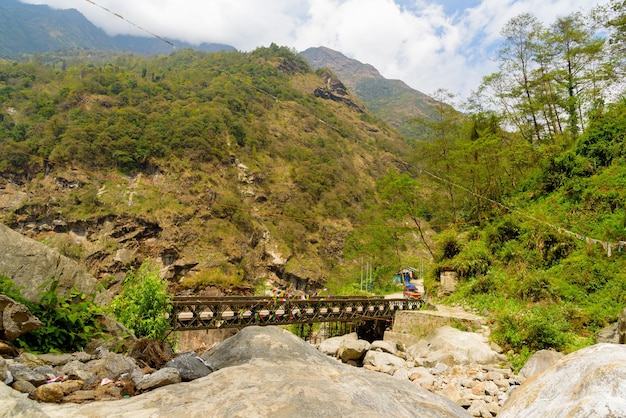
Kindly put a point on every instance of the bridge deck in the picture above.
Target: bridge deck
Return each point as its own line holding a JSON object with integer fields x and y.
{"x": 195, "y": 313}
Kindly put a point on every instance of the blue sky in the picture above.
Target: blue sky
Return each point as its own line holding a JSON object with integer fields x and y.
{"x": 428, "y": 44}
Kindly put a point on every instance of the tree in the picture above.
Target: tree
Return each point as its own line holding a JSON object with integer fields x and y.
{"x": 402, "y": 200}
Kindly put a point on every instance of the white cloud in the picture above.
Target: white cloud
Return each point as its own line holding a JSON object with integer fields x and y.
{"x": 412, "y": 40}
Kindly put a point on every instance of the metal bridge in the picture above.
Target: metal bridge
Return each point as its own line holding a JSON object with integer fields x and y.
{"x": 198, "y": 313}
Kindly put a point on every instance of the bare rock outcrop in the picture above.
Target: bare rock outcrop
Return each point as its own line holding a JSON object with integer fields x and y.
{"x": 30, "y": 264}
{"x": 590, "y": 382}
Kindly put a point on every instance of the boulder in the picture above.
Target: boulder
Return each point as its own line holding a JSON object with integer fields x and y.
{"x": 15, "y": 319}
{"x": 269, "y": 372}
{"x": 62, "y": 359}
{"x": 77, "y": 370}
{"x": 452, "y": 346}
{"x": 165, "y": 376}
{"x": 384, "y": 362}
{"x": 21, "y": 371}
{"x": 190, "y": 366}
{"x": 352, "y": 350}
{"x": 13, "y": 404}
{"x": 540, "y": 361}
{"x": 590, "y": 382}
{"x": 50, "y": 392}
{"x": 30, "y": 264}
{"x": 111, "y": 365}
{"x": 330, "y": 346}
{"x": 384, "y": 346}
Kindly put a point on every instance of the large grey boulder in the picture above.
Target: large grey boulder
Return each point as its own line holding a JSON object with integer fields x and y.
{"x": 330, "y": 346}
{"x": 269, "y": 372}
{"x": 540, "y": 361}
{"x": 15, "y": 319}
{"x": 451, "y": 346}
{"x": 352, "y": 350}
{"x": 30, "y": 264}
{"x": 587, "y": 383}
{"x": 190, "y": 366}
{"x": 14, "y": 405}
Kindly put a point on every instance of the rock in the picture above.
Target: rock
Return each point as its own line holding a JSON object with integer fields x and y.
{"x": 6, "y": 349}
{"x": 47, "y": 371}
{"x": 70, "y": 386}
{"x": 269, "y": 372}
{"x": 190, "y": 366}
{"x": 385, "y": 362}
{"x": 13, "y": 404}
{"x": 479, "y": 409}
{"x": 112, "y": 366}
{"x": 163, "y": 377}
{"x": 449, "y": 345}
{"x": 30, "y": 264}
{"x": 50, "y": 392}
{"x": 590, "y": 382}
{"x": 23, "y": 372}
{"x": 16, "y": 319}
{"x": 57, "y": 360}
{"x": 77, "y": 370}
{"x": 4, "y": 367}
{"x": 352, "y": 350}
{"x": 330, "y": 346}
{"x": 23, "y": 386}
{"x": 384, "y": 346}
{"x": 540, "y": 361}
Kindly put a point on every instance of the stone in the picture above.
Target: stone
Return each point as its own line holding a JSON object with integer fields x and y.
{"x": 57, "y": 360}
{"x": 6, "y": 349}
{"x": 479, "y": 409}
{"x": 352, "y": 349}
{"x": 23, "y": 386}
{"x": 70, "y": 386}
{"x": 23, "y": 372}
{"x": 330, "y": 346}
{"x": 16, "y": 319}
{"x": 111, "y": 365}
{"x": 385, "y": 362}
{"x": 77, "y": 370}
{"x": 450, "y": 345}
{"x": 190, "y": 366}
{"x": 384, "y": 346}
{"x": 13, "y": 404}
{"x": 162, "y": 377}
{"x": 50, "y": 392}
{"x": 47, "y": 371}
{"x": 590, "y": 382}
{"x": 540, "y": 361}
{"x": 491, "y": 388}
{"x": 4, "y": 368}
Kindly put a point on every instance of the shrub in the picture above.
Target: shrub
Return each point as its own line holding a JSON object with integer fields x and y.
{"x": 143, "y": 304}
{"x": 68, "y": 323}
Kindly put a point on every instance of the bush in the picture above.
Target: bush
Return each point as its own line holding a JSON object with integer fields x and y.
{"x": 538, "y": 328}
{"x": 68, "y": 323}
{"x": 144, "y": 304}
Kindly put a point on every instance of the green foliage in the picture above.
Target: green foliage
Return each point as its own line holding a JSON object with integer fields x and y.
{"x": 68, "y": 323}
{"x": 538, "y": 328}
{"x": 143, "y": 304}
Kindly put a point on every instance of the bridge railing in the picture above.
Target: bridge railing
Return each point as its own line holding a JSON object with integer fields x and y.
{"x": 195, "y": 313}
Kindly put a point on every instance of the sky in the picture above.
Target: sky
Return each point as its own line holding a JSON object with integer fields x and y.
{"x": 428, "y": 44}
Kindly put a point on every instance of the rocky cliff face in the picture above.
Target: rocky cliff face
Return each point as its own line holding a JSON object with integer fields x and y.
{"x": 30, "y": 264}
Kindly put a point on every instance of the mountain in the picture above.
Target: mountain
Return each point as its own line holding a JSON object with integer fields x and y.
{"x": 29, "y": 29}
{"x": 391, "y": 100}
{"x": 232, "y": 170}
